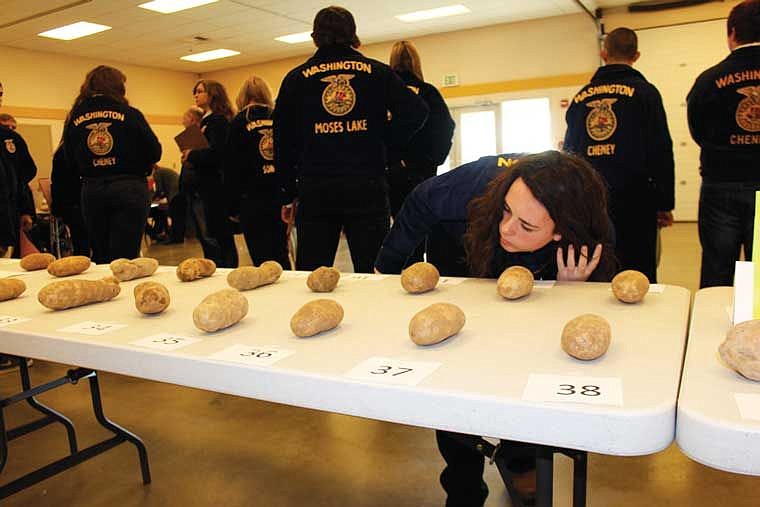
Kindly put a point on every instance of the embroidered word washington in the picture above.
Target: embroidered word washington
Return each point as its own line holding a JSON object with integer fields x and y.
{"x": 96, "y": 115}
{"x": 332, "y": 66}
{"x": 738, "y": 77}
{"x": 616, "y": 89}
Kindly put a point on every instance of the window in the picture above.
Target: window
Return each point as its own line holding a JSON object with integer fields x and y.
{"x": 526, "y": 126}
{"x": 478, "y": 135}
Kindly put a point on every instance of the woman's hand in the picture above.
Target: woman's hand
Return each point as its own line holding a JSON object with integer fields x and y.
{"x": 581, "y": 272}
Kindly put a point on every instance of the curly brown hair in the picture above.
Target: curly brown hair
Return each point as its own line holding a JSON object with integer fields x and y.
{"x": 103, "y": 80}
{"x": 571, "y": 191}
{"x": 218, "y": 100}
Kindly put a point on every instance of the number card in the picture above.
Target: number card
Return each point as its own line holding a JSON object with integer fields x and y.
{"x": 7, "y": 320}
{"x": 451, "y": 280}
{"x": 392, "y": 371}
{"x": 566, "y": 389}
{"x": 165, "y": 341}
{"x": 252, "y": 355}
{"x": 749, "y": 405}
{"x": 92, "y": 328}
{"x": 544, "y": 284}
{"x": 366, "y": 276}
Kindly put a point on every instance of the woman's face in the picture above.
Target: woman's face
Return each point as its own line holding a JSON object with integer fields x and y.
{"x": 525, "y": 224}
{"x": 201, "y": 97}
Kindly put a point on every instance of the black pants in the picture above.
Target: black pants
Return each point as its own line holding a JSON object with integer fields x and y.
{"x": 178, "y": 214}
{"x": 358, "y": 206}
{"x": 462, "y": 479}
{"x": 726, "y": 223}
{"x": 80, "y": 241}
{"x": 264, "y": 230}
{"x": 634, "y": 216}
{"x": 115, "y": 212}
{"x": 401, "y": 182}
{"x": 220, "y": 229}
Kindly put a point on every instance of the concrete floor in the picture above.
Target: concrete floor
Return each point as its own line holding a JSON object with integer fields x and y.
{"x": 212, "y": 449}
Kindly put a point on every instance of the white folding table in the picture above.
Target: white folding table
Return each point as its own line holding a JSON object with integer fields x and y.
{"x": 473, "y": 383}
{"x": 716, "y": 423}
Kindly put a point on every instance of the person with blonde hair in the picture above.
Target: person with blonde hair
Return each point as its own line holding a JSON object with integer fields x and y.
{"x": 251, "y": 176}
{"x": 419, "y": 159}
{"x": 208, "y": 163}
{"x": 110, "y": 145}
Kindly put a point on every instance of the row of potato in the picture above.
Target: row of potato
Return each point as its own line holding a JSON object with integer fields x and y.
{"x": 585, "y": 337}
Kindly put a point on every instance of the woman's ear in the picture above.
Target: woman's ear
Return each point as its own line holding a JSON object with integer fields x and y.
{"x": 557, "y": 236}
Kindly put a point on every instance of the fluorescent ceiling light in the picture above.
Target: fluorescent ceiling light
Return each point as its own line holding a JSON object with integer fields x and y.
{"x": 295, "y": 38}
{"x": 169, "y": 6}
{"x": 440, "y": 12}
{"x": 214, "y": 54}
{"x": 74, "y": 31}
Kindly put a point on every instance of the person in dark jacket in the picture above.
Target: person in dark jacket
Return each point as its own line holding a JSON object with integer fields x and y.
{"x": 724, "y": 118}
{"x": 330, "y": 143}
{"x": 20, "y": 170}
{"x": 544, "y": 212}
{"x": 617, "y": 122}
{"x": 66, "y": 197}
{"x": 113, "y": 149}
{"x": 430, "y": 146}
{"x": 208, "y": 163}
{"x": 251, "y": 176}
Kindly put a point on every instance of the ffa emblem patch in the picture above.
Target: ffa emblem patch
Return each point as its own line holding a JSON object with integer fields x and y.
{"x": 415, "y": 89}
{"x": 601, "y": 122}
{"x": 338, "y": 98}
{"x": 100, "y": 140}
{"x": 9, "y": 146}
{"x": 748, "y": 111}
{"x": 266, "y": 144}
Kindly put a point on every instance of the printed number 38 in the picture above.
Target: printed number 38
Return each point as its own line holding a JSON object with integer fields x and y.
{"x": 569, "y": 389}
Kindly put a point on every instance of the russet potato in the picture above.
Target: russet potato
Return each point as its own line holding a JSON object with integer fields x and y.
{"x": 11, "y": 288}
{"x": 630, "y": 286}
{"x": 72, "y": 293}
{"x": 68, "y": 266}
{"x": 436, "y": 323}
{"x": 323, "y": 279}
{"x": 195, "y": 268}
{"x": 151, "y": 297}
{"x": 220, "y": 310}
{"x": 515, "y": 282}
{"x": 125, "y": 269}
{"x": 420, "y": 277}
{"x": 35, "y": 261}
{"x": 586, "y": 337}
{"x": 315, "y": 317}
{"x": 741, "y": 349}
{"x": 250, "y": 277}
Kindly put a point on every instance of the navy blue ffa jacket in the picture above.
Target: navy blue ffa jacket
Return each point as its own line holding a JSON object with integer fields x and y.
{"x": 617, "y": 122}
{"x": 724, "y": 117}
{"x": 209, "y": 162}
{"x": 17, "y": 154}
{"x": 432, "y": 143}
{"x": 249, "y": 170}
{"x": 440, "y": 203}
{"x": 66, "y": 184}
{"x": 104, "y": 138}
{"x": 331, "y": 113}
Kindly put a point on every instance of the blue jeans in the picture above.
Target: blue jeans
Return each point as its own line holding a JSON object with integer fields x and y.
{"x": 726, "y": 221}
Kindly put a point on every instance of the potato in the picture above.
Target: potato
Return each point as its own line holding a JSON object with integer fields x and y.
{"x": 436, "y": 323}
{"x": 194, "y": 268}
{"x": 323, "y": 279}
{"x": 151, "y": 297}
{"x": 515, "y": 282}
{"x": 316, "y": 316}
{"x": 35, "y": 261}
{"x": 68, "y": 266}
{"x": 419, "y": 277}
{"x": 125, "y": 269}
{"x": 11, "y": 288}
{"x": 220, "y": 310}
{"x": 741, "y": 349}
{"x": 71, "y": 293}
{"x": 586, "y": 336}
{"x": 250, "y": 277}
{"x": 630, "y": 286}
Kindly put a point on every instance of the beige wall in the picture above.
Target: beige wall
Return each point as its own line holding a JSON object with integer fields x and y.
{"x": 40, "y": 87}
{"x": 495, "y": 55}
{"x": 617, "y": 17}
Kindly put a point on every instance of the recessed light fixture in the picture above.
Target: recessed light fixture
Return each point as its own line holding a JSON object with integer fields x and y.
{"x": 169, "y": 6}
{"x": 74, "y": 31}
{"x": 295, "y": 38}
{"x": 440, "y": 12}
{"x": 214, "y": 54}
